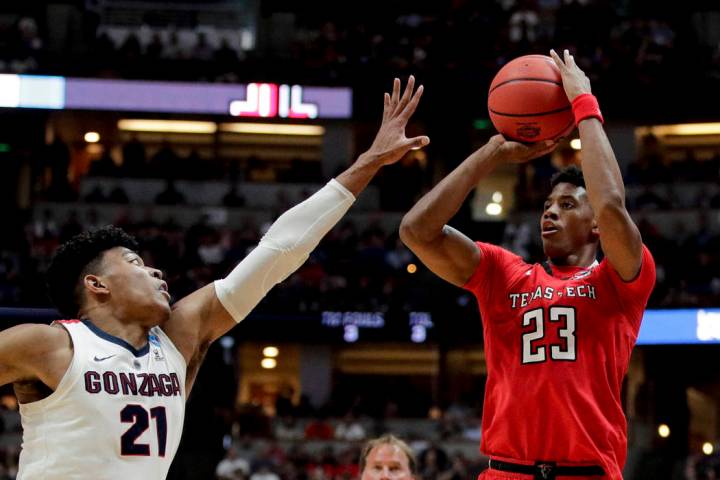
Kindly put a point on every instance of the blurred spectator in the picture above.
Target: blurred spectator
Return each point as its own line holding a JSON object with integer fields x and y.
{"x": 398, "y": 256}
{"x": 58, "y": 157}
{"x": 134, "y": 161}
{"x": 233, "y": 467}
{"x": 117, "y": 195}
{"x": 284, "y": 406}
{"x": 170, "y": 195}
{"x": 258, "y": 170}
{"x": 287, "y": 428}
{"x": 319, "y": 429}
{"x": 202, "y": 50}
{"x": 155, "y": 49}
{"x": 226, "y": 55}
{"x": 70, "y": 227}
{"x": 96, "y": 195}
{"x": 432, "y": 462}
{"x": 165, "y": 162}
{"x": 105, "y": 166}
{"x": 458, "y": 469}
{"x": 264, "y": 473}
{"x": 92, "y": 220}
{"x": 232, "y": 198}
{"x": 350, "y": 429}
{"x": 347, "y": 466}
{"x": 45, "y": 226}
{"x": 524, "y": 23}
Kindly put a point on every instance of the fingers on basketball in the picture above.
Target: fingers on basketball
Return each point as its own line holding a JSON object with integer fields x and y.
{"x": 558, "y": 61}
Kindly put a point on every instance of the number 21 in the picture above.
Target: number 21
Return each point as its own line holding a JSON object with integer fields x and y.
{"x": 533, "y": 353}
{"x": 139, "y": 417}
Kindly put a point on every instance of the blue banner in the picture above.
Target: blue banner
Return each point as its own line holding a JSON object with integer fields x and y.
{"x": 680, "y": 327}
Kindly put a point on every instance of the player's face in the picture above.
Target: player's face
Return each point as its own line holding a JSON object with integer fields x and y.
{"x": 567, "y": 223}
{"x": 386, "y": 462}
{"x": 137, "y": 292}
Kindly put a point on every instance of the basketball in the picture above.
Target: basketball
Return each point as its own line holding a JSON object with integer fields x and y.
{"x": 527, "y": 102}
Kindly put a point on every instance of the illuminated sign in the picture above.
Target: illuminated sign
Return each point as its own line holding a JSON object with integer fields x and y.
{"x": 269, "y": 100}
{"x": 359, "y": 319}
{"x": 682, "y": 326}
{"x": 420, "y": 322}
{"x": 29, "y": 91}
{"x": 659, "y": 327}
{"x": 353, "y": 322}
{"x": 265, "y": 100}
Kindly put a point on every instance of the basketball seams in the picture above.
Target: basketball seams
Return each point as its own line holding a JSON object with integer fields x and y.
{"x": 524, "y": 79}
{"x": 532, "y": 100}
{"x": 539, "y": 114}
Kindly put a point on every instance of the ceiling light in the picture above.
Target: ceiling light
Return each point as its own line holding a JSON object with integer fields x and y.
{"x": 493, "y": 209}
{"x": 92, "y": 137}
{"x": 268, "y": 363}
{"x": 167, "y": 126}
{"x": 272, "y": 129}
{"x": 271, "y": 352}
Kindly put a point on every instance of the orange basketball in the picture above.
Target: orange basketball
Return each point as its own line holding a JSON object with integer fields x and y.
{"x": 527, "y": 101}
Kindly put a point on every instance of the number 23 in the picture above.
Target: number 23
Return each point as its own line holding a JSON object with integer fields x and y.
{"x": 533, "y": 353}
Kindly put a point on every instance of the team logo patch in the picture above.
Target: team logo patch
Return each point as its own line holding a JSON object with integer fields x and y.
{"x": 155, "y": 347}
{"x": 100, "y": 359}
{"x": 545, "y": 470}
{"x": 528, "y": 131}
{"x": 582, "y": 274}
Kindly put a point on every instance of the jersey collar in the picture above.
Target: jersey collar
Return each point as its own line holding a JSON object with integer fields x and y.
{"x": 116, "y": 340}
{"x": 566, "y": 273}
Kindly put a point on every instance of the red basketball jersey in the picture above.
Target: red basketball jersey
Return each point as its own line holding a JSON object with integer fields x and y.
{"x": 557, "y": 348}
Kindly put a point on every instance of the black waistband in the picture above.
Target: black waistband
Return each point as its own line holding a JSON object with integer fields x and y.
{"x": 547, "y": 470}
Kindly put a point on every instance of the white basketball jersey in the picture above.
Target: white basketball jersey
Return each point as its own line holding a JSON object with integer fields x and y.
{"x": 116, "y": 414}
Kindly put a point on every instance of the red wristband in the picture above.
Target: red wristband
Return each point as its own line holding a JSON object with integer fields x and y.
{"x": 586, "y": 106}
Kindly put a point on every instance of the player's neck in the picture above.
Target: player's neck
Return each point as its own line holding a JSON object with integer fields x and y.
{"x": 582, "y": 258}
{"x": 136, "y": 334}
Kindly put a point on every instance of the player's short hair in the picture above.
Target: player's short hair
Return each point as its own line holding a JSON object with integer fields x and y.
{"x": 80, "y": 256}
{"x": 571, "y": 174}
{"x": 392, "y": 440}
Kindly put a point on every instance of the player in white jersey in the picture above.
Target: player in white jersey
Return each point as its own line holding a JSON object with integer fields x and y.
{"x": 102, "y": 396}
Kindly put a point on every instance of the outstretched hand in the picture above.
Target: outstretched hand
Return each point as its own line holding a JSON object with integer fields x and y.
{"x": 574, "y": 80}
{"x": 509, "y": 151}
{"x": 390, "y": 143}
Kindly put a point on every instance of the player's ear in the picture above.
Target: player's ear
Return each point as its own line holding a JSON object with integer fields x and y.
{"x": 595, "y": 229}
{"x": 95, "y": 284}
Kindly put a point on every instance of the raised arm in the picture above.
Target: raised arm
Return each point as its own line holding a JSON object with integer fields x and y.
{"x": 444, "y": 250}
{"x": 205, "y": 315}
{"x": 619, "y": 236}
{"x": 34, "y": 352}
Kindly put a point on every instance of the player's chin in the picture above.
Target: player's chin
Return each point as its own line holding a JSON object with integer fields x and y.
{"x": 161, "y": 310}
{"x": 552, "y": 248}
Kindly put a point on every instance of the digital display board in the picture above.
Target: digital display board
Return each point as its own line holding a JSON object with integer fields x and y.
{"x": 659, "y": 327}
{"x": 254, "y": 100}
{"x": 680, "y": 327}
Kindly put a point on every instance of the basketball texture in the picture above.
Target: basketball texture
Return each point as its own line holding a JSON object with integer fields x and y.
{"x": 527, "y": 101}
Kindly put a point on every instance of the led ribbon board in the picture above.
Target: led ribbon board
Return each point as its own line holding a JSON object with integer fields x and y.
{"x": 258, "y": 100}
{"x": 682, "y": 326}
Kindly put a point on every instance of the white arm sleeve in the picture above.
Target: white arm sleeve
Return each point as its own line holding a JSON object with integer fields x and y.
{"x": 282, "y": 250}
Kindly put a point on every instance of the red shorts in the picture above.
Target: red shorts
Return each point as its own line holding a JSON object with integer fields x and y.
{"x": 490, "y": 474}
{"x": 497, "y": 474}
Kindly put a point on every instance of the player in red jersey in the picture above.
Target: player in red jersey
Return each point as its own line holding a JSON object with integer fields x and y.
{"x": 558, "y": 335}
